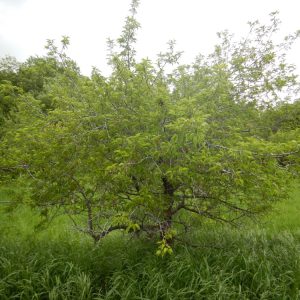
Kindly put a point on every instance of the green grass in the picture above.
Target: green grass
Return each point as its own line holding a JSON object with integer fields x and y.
{"x": 286, "y": 214}
{"x": 58, "y": 263}
{"x": 241, "y": 266}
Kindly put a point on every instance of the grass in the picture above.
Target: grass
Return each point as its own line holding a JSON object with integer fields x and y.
{"x": 286, "y": 215}
{"x": 57, "y": 263}
{"x": 242, "y": 266}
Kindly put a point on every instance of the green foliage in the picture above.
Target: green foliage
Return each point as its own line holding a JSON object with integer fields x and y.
{"x": 150, "y": 152}
{"x": 8, "y": 69}
{"x": 9, "y": 95}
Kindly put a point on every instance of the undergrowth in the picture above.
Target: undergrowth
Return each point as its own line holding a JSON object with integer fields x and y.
{"x": 234, "y": 265}
{"x": 58, "y": 263}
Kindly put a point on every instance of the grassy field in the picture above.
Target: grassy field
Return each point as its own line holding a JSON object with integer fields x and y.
{"x": 286, "y": 215}
{"x": 259, "y": 262}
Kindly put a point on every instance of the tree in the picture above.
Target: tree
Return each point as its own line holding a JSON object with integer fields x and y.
{"x": 283, "y": 124}
{"x": 9, "y": 92}
{"x": 19, "y": 84}
{"x": 143, "y": 151}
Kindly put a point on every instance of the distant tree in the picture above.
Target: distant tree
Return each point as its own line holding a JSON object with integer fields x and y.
{"x": 9, "y": 68}
{"x": 282, "y": 125}
{"x": 8, "y": 91}
{"x": 146, "y": 151}
{"x": 8, "y": 101}
{"x": 285, "y": 117}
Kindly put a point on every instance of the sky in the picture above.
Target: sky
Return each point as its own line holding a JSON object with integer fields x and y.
{"x": 25, "y": 25}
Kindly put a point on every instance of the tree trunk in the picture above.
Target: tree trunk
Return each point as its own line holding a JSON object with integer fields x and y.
{"x": 168, "y": 212}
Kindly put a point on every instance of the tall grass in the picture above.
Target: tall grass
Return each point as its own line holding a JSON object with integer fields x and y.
{"x": 58, "y": 263}
{"x": 240, "y": 266}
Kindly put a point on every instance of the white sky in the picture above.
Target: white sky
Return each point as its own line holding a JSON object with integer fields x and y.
{"x": 25, "y": 25}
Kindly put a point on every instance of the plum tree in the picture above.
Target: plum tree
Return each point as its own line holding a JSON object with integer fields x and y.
{"x": 145, "y": 150}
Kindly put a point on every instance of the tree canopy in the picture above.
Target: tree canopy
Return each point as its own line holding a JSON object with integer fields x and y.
{"x": 146, "y": 150}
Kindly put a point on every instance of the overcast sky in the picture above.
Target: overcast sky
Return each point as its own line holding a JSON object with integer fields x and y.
{"x": 25, "y": 25}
